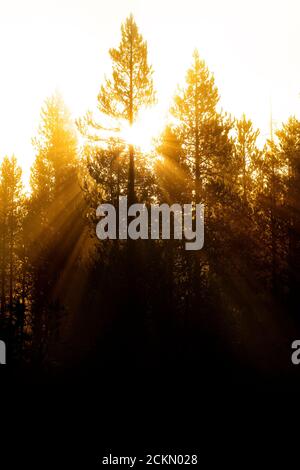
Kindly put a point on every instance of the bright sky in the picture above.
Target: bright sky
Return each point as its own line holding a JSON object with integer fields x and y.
{"x": 251, "y": 46}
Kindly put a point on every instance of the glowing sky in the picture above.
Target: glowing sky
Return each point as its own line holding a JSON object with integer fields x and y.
{"x": 251, "y": 46}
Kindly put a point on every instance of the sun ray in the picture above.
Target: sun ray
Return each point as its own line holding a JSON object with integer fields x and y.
{"x": 142, "y": 133}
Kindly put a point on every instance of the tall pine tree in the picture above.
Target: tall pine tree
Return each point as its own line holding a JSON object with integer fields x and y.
{"x": 131, "y": 86}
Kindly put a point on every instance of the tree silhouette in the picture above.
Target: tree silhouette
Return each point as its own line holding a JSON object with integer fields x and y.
{"x": 67, "y": 298}
{"x": 130, "y": 87}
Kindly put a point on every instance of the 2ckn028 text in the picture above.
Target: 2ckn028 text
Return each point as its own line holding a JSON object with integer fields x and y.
{"x": 161, "y": 459}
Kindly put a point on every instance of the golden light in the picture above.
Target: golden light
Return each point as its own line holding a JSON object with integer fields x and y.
{"x": 148, "y": 125}
{"x": 64, "y": 44}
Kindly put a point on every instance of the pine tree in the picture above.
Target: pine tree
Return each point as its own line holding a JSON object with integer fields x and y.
{"x": 267, "y": 196}
{"x": 288, "y": 148}
{"x": 130, "y": 87}
{"x": 194, "y": 108}
{"x": 56, "y": 142}
{"x": 13, "y": 293}
{"x": 54, "y": 217}
{"x": 11, "y": 199}
{"x": 246, "y": 153}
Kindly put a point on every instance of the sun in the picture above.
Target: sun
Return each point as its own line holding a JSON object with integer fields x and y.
{"x": 142, "y": 133}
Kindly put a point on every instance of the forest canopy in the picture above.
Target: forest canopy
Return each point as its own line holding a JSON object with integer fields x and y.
{"x": 67, "y": 296}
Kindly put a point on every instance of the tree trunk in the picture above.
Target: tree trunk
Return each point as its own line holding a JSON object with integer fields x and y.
{"x": 131, "y": 173}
